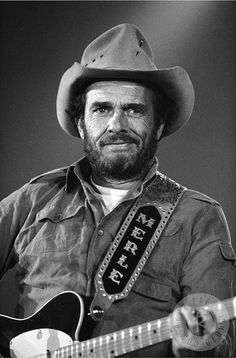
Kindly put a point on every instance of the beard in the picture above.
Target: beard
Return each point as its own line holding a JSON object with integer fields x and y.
{"x": 124, "y": 166}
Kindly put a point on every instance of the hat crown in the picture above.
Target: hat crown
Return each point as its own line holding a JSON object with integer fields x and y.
{"x": 123, "y": 53}
{"x": 121, "y": 47}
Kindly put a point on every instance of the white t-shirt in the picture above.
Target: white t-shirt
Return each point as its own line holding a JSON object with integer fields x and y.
{"x": 110, "y": 197}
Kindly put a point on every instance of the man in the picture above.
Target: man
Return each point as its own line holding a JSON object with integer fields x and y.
{"x": 59, "y": 227}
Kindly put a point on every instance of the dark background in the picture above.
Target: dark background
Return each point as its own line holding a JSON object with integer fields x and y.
{"x": 40, "y": 40}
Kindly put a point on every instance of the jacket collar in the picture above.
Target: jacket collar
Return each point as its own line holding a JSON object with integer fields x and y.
{"x": 81, "y": 171}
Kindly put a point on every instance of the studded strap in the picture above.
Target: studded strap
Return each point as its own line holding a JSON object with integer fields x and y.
{"x": 134, "y": 243}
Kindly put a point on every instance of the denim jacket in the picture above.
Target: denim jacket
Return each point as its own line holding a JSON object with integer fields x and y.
{"x": 54, "y": 230}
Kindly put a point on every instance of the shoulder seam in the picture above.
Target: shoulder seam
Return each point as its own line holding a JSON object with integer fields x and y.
{"x": 59, "y": 172}
{"x": 193, "y": 194}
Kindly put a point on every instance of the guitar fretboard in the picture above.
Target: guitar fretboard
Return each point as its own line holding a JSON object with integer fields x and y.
{"x": 120, "y": 342}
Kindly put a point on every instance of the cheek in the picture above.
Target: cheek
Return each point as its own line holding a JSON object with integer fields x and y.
{"x": 143, "y": 129}
{"x": 94, "y": 128}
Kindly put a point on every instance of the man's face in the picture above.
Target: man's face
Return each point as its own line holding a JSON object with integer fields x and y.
{"x": 119, "y": 129}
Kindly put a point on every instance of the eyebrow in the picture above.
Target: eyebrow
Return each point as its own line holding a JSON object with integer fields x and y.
{"x": 101, "y": 103}
{"x": 139, "y": 106}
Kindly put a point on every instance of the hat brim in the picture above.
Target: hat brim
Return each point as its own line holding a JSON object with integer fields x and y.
{"x": 174, "y": 82}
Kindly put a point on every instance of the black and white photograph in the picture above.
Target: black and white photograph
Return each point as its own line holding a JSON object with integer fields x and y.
{"x": 117, "y": 185}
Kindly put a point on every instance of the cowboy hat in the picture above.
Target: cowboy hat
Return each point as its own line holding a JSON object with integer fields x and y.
{"x": 123, "y": 53}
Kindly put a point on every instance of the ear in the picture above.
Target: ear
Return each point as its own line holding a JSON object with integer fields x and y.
{"x": 80, "y": 128}
{"x": 160, "y": 130}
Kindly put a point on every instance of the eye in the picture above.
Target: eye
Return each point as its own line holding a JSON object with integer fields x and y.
{"x": 101, "y": 110}
{"x": 134, "y": 111}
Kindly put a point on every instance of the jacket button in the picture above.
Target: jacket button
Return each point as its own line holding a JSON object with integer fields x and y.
{"x": 100, "y": 232}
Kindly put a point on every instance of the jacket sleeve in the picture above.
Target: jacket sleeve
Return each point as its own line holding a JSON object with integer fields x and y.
{"x": 13, "y": 211}
{"x": 209, "y": 268}
{"x": 19, "y": 206}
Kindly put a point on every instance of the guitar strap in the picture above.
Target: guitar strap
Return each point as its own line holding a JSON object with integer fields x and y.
{"x": 134, "y": 242}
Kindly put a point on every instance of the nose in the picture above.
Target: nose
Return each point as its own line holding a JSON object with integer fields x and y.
{"x": 118, "y": 122}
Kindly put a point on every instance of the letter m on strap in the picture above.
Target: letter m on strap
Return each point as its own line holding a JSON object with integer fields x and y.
{"x": 142, "y": 218}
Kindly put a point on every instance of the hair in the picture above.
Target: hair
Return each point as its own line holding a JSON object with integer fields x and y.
{"x": 77, "y": 107}
{"x": 164, "y": 106}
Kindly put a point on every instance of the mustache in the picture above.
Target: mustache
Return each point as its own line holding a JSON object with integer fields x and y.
{"x": 120, "y": 137}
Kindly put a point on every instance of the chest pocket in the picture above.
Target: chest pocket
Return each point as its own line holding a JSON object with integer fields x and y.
{"x": 49, "y": 249}
{"x": 150, "y": 293}
{"x": 52, "y": 231}
{"x": 151, "y": 288}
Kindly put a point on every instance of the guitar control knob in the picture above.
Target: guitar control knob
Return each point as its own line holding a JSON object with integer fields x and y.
{"x": 97, "y": 313}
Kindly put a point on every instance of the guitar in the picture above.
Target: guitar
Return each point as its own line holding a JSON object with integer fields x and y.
{"x": 54, "y": 331}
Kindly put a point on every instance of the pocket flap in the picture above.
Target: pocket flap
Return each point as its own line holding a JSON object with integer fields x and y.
{"x": 149, "y": 287}
{"x": 228, "y": 251}
{"x": 57, "y": 214}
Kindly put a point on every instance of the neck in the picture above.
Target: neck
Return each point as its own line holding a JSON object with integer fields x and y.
{"x": 122, "y": 183}
{"x": 114, "y": 183}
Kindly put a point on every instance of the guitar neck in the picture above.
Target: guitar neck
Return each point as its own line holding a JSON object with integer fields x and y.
{"x": 137, "y": 337}
{"x": 120, "y": 342}
{"x": 224, "y": 310}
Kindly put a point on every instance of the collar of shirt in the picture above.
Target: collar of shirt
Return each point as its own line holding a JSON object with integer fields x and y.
{"x": 81, "y": 171}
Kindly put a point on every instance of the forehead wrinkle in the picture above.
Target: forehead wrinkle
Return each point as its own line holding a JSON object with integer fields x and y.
{"x": 132, "y": 91}
{"x": 107, "y": 99}
{"x": 131, "y": 88}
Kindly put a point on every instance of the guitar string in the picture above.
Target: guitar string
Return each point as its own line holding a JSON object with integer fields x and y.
{"x": 119, "y": 343}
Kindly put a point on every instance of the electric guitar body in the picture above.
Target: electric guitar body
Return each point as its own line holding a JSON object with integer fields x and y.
{"x": 58, "y": 323}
